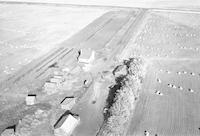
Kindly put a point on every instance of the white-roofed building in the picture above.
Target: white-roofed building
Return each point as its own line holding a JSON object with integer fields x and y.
{"x": 68, "y": 103}
{"x": 86, "y": 56}
{"x": 30, "y": 99}
{"x": 66, "y": 125}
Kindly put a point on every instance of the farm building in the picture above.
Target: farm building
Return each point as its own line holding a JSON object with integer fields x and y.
{"x": 31, "y": 99}
{"x": 57, "y": 73}
{"x": 58, "y": 76}
{"x": 68, "y": 103}
{"x": 9, "y": 131}
{"x": 50, "y": 88}
{"x": 57, "y": 79}
{"x": 65, "y": 125}
{"x": 66, "y": 69}
{"x": 86, "y": 56}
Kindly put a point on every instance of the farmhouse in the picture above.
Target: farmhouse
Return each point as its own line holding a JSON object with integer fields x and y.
{"x": 68, "y": 103}
{"x": 65, "y": 125}
{"x": 86, "y": 56}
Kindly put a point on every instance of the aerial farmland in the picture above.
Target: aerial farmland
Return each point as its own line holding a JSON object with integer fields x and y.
{"x": 75, "y": 70}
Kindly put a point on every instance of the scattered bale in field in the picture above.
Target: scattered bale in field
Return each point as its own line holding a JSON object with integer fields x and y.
{"x": 168, "y": 72}
{"x": 180, "y": 87}
{"x": 193, "y": 74}
{"x": 158, "y": 80}
{"x": 184, "y": 72}
{"x": 173, "y": 86}
{"x": 179, "y": 73}
{"x": 169, "y": 85}
{"x": 146, "y": 133}
{"x": 190, "y": 90}
{"x": 158, "y": 92}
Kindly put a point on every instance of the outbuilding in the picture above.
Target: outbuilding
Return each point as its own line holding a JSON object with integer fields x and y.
{"x": 57, "y": 79}
{"x": 86, "y": 56}
{"x": 8, "y": 132}
{"x": 31, "y": 99}
{"x": 57, "y": 73}
{"x": 68, "y": 102}
{"x": 66, "y": 125}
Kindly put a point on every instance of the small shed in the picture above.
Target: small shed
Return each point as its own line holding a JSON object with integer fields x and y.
{"x": 86, "y": 56}
{"x": 56, "y": 80}
{"x": 66, "y": 125}
{"x": 50, "y": 87}
{"x": 57, "y": 73}
{"x": 66, "y": 69}
{"x": 68, "y": 102}
{"x": 31, "y": 99}
{"x": 8, "y": 132}
{"x": 58, "y": 76}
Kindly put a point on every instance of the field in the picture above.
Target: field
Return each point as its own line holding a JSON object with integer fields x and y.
{"x": 30, "y": 31}
{"x": 171, "y": 47}
{"x": 179, "y": 4}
